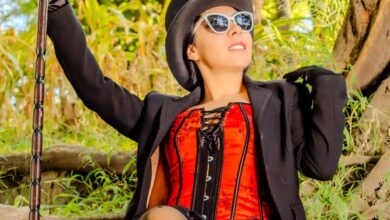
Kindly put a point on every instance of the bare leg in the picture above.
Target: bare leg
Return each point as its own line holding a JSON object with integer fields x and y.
{"x": 163, "y": 212}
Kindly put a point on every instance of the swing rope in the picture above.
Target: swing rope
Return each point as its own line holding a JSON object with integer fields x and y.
{"x": 36, "y": 149}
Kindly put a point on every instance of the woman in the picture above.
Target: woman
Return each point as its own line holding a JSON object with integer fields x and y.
{"x": 232, "y": 147}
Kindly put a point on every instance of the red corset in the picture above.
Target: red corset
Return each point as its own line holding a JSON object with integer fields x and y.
{"x": 212, "y": 163}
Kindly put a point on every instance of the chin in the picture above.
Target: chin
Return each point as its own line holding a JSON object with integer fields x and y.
{"x": 238, "y": 63}
{"x": 237, "y": 59}
{"x": 238, "y": 68}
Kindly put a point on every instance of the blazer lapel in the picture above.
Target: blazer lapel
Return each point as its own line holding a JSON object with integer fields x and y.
{"x": 258, "y": 96}
{"x": 170, "y": 109}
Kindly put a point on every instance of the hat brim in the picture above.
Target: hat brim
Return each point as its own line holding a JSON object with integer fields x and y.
{"x": 177, "y": 32}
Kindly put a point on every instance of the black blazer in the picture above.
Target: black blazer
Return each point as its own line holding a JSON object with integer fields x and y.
{"x": 292, "y": 135}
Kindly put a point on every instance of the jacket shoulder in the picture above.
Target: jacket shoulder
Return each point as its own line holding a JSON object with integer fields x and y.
{"x": 290, "y": 92}
{"x": 156, "y": 99}
{"x": 278, "y": 86}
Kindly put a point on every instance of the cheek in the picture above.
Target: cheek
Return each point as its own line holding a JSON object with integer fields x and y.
{"x": 249, "y": 43}
{"x": 211, "y": 47}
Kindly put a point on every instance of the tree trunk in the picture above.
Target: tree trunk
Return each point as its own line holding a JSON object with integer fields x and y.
{"x": 258, "y": 5}
{"x": 364, "y": 42}
{"x": 284, "y": 11}
{"x": 284, "y": 8}
{"x": 362, "y": 51}
{"x": 69, "y": 158}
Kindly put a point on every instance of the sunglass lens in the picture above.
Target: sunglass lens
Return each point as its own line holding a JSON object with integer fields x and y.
{"x": 244, "y": 20}
{"x": 219, "y": 23}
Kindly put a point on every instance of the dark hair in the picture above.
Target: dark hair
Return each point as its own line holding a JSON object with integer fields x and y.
{"x": 190, "y": 64}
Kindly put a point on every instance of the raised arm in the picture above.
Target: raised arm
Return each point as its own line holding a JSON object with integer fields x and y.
{"x": 317, "y": 124}
{"x": 113, "y": 103}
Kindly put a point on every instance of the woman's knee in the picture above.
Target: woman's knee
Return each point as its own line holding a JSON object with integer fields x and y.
{"x": 163, "y": 213}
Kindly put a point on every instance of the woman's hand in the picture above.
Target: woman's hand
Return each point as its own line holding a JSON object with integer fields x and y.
{"x": 54, "y": 5}
{"x": 307, "y": 73}
{"x": 318, "y": 121}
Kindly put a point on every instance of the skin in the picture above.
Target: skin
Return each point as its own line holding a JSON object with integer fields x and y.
{"x": 162, "y": 212}
{"x": 210, "y": 51}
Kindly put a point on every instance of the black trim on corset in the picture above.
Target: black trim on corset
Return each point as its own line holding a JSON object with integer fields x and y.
{"x": 179, "y": 158}
{"x": 259, "y": 172}
{"x": 209, "y": 162}
{"x": 199, "y": 181}
{"x": 242, "y": 160}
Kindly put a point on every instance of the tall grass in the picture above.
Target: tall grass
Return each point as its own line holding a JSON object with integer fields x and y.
{"x": 103, "y": 193}
{"x": 132, "y": 53}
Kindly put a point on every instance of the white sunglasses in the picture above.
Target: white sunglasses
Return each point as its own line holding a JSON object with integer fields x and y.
{"x": 220, "y": 23}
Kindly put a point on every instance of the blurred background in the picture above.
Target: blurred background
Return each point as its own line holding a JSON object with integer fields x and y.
{"x": 89, "y": 167}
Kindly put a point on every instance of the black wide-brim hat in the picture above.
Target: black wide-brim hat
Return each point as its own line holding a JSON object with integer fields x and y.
{"x": 179, "y": 19}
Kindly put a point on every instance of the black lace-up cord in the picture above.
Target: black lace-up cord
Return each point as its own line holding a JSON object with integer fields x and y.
{"x": 211, "y": 129}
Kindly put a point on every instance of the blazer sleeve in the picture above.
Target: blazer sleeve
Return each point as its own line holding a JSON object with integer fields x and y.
{"x": 113, "y": 103}
{"x": 317, "y": 126}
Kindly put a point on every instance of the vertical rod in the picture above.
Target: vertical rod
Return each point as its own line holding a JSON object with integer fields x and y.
{"x": 39, "y": 89}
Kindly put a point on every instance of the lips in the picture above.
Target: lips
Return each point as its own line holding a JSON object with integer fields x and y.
{"x": 237, "y": 46}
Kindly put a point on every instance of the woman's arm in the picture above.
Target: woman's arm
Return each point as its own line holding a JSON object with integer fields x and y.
{"x": 114, "y": 104}
{"x": 160, "y": 190}
{"x": 317, "y": 125}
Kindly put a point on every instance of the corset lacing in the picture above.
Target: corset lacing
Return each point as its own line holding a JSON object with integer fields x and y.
{"x": 211, "y": 131}
{"x": 210, "y": 138}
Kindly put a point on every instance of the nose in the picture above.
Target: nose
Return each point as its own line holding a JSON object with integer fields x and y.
{"x": 234, "y": 29}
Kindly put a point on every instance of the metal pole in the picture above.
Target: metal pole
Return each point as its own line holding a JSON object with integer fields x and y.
{"x": 39, "y": 89}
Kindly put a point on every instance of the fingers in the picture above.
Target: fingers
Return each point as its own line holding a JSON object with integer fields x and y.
{"x": 291, "y": 76}
{"x": 307, "y": 73}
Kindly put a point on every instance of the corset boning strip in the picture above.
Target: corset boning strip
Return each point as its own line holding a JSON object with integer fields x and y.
{"x": 179, "y": 158}
{"x": 243, "y": 155}
{"x": 258, "y": 173}
{"x": 209, "y": 163}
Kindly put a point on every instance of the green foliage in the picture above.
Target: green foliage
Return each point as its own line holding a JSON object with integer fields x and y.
{"x": 132, "y": 53}
{"x": 356, "y": 106}
{"x": 332, "y": 199}
{"x": 103, "y": 192}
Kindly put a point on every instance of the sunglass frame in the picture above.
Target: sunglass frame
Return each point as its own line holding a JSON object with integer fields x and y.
{"x": 205, "y": 16}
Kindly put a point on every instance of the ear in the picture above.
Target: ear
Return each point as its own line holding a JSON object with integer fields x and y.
{"x": 192, "y": 52}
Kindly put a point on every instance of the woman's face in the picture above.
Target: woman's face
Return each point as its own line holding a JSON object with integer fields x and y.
{"x": 231, "y": 51}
